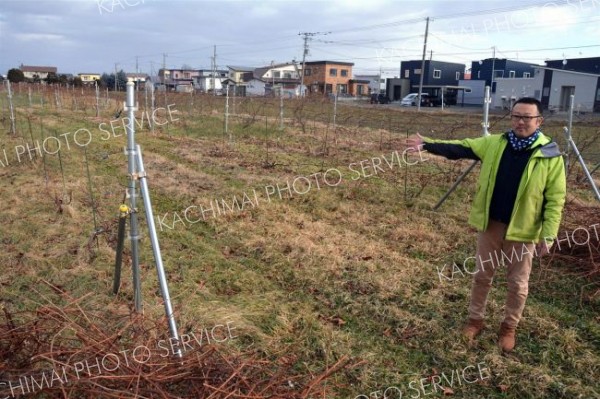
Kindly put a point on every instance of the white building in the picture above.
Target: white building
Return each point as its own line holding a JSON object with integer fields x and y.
{"x": 277, "y": 71}
{"x": 376, "y": 83}
{"x": 255, "y": 87}
{"x": 553, "y": 87}
{"x": 39, "y": 72}
{"x": 206, "y": 82}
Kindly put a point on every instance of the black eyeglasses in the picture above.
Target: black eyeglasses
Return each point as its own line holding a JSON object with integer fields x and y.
{"x": 525, "y": 118}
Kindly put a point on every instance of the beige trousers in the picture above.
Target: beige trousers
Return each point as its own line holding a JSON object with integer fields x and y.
{"x": 492, "y": 251}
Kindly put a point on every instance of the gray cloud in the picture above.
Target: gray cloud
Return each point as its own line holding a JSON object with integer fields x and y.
{"x": 93, "y": 35}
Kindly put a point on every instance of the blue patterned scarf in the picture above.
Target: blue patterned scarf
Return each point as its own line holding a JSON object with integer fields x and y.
{"x": 520, "y": 144}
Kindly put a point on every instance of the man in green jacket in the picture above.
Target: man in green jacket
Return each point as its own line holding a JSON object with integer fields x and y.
{"x": 517, "y": 208}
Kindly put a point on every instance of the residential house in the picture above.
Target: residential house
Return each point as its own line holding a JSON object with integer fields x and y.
{"x": 333, "y": 77}
{"x": 37, "y": 72}
{"x": 137, "y": 77}
{"x": 278, "y": 71}
{"x": 178, "y": 79}
{"x": 589, "y": 64}
{"x": 254, "y": 86}
{"x": 439, "y": 78}
{"x": 208, "y": 80}
{"x": 474, "y": 93}
{"x": 553, "y": 87}
{"x": 358, "y": 87}
{"x": 238, "y": 73}
{"x": 238, "y": 77}
{"x": 499, "y": 68}
{"x": 89, "y": 78}
{"x": 280, "y": 79}
{"x": 375, "y": 83}
{"x": 396, "y": 88}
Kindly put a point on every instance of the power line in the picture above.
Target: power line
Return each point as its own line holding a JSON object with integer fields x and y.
{"x": 451, "y": 16}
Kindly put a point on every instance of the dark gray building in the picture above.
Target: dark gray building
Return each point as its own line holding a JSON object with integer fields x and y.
{"x": 502, "y": 67}
{"x": 438, "y": 77}
{"x": 437, "y": 73}
{"x": 588, "y": 65}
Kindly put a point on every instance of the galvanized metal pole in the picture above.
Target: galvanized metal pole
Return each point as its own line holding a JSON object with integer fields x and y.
{"x": 97, "y": 99}
{"x": 164, "y": 288}
{"x": 570, "y": 129}
{"x": 233, "y": 100}
{"x": 145, "y": 100}
{"x": 486, "y": 111}
{"x": 153, "y": 99}
{"x": 41, "y": 95}
{"x": 13, "y": 128}
{"x": 335, "y": 108}
{"x": 226, "y": 126}
{"x": 130, "y": 107}
{"x": 281, "y": 108}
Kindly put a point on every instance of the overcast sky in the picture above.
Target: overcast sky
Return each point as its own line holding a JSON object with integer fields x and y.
{"x": 92, "y": 35}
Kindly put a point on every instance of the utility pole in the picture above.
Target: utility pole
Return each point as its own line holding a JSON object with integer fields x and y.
{"x": 116, "y": 76}
{"x": 307, "y": 35}
{"x": 137, "y": 82}
{"x": 304, "y": 53}
{"x": 423, "y": 64}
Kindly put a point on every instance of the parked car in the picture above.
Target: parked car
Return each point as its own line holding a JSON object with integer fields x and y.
{"x": 411, "y": 99}
{"x": 426, "y": 100}
{"x": 380, "y": 98}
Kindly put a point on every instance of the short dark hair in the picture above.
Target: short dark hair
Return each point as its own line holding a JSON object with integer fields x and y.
{"x": 530, "y": 100}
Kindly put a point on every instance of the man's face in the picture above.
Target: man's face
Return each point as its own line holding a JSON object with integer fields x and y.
{"x": 526, "y": 126}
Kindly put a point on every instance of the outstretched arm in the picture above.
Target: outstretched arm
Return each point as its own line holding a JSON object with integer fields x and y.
{"x": 448, "y": 150}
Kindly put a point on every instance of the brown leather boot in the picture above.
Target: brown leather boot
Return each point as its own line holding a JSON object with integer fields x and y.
{"x": 472, "y": 328}
{"x": 506, "y": 337}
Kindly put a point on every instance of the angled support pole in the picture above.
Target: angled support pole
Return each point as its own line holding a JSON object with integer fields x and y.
{"x": 571, "y": 145}
{"x": 162, "y": 279}
{"x": 485, "y": 125}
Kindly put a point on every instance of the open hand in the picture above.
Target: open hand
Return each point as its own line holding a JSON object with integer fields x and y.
{"x": 543, "y": 248}
{"x": 414, "y": 141}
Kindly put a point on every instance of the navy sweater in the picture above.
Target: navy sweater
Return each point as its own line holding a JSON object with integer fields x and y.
{"x": 511, "y": 168}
